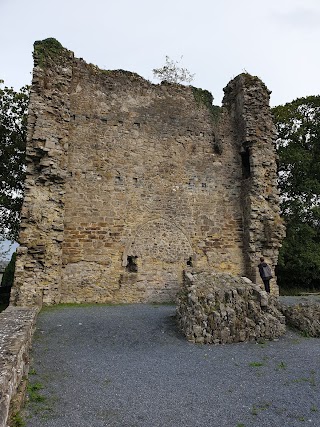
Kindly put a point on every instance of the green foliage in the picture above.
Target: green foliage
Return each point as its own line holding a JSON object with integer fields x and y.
{"x": 172, "y": 73}
{"x": 33, "y": 393}
{"x": 258, "y": 408}
{"x": 282, "y": 365}
{"x": 256, "y": 364}
{"x": 298, "y": 125}
{"x": 47, "y": 49}
{"x": 17, "y": 420}
{"x": 8, "y": 275}
{"x": 13, "y": 130}
{"x": 205, "y": 97}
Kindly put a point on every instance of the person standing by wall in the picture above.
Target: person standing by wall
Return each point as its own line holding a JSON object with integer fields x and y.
{"x": 265, "y": 273}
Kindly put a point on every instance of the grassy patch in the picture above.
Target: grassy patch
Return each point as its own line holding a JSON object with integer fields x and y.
{"x": 48, "y": 50}
{"x": 33, "y": 393}
{"x": 297, "y": 291}
{"x": 281, "y": 365}
{"x": 256, "y": 364}
{"x": 259, "y": 408}
{"x": 204, "y": 97}
{"x": 17, "y": 420}
{"x": 305, "y": 334}
{"x": 78, "y": 305}
{"x": 311, "y": 379}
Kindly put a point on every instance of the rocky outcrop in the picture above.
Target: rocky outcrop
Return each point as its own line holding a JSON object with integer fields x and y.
{"x": 217, "y": 308}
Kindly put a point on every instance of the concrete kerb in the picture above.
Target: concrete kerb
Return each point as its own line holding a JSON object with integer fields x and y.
{"x": 17, "y": 328}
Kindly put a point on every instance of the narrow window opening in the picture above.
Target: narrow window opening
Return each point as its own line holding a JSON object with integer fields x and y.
{"x": 131, "y": 266}
{"x": 245, "y": 157}
{"x": 189, "y": 262}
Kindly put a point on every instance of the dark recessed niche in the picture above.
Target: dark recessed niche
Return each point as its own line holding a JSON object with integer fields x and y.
{"x": 245, "y": 157}
{"x": 131, "y": 266}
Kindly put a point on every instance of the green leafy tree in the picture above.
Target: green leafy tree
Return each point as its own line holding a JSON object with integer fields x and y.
{"x": 298, "y": 125}
{"x": 171, "y": 72}
{"x": 8, "y": 275}
{"x": 13, "y": 129}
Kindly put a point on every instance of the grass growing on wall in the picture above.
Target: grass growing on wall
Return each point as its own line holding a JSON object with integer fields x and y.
{"x": 203, "y": 96}
{"x": 47, "y": 49}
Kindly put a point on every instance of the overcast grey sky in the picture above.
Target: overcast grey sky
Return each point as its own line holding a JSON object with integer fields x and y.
{"x": 277, "y": 40}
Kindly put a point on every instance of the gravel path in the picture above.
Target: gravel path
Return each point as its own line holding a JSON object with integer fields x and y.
{"x": 128, "y": 366}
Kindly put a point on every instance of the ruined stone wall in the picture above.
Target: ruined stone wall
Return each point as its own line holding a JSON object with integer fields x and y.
{"x": 17, "y": 327}
{"x": 129, "y": 183}
{"x": 218, "y": 308}
{"x": 247, "y": 102}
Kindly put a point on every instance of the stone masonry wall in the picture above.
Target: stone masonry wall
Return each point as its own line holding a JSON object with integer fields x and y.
{"x": 38, "y": 264}
{"x": 218, "y": 308}
{"x": 17, "y": 326}
{"x": 129, "y": 183}
{"x": 247, "y": 102}
{"x": 303, "y": 314}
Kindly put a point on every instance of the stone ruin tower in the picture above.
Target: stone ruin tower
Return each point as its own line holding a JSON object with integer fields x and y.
{"x": 130, "y": 183}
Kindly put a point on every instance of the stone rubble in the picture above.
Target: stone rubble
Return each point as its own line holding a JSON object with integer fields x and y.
{"x": 218, "y": 308}
{"x": 304, "y": 316}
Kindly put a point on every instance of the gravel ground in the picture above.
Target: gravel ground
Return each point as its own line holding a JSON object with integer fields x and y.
{"x": 128, "y": 366}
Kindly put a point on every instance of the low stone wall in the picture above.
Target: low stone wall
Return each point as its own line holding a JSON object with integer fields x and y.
{"x": 304, "y": 316}
{"x": 16, "y": 329}
{"x": 219, "y": 308}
